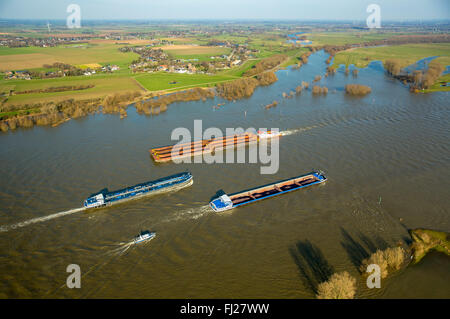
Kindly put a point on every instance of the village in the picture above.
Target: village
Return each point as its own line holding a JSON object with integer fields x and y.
{"x": 155, "y": 59}
{"x": 58, "y": 70}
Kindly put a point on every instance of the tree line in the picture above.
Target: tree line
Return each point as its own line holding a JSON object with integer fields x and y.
{"x": 159, "y": 104}
{"x": 418, "y": 79}
{"x": 58, "y": 89}
{"x": 244, "y": 87}
{"x": 54, "y": 113}
{"x": 266, "y": 64}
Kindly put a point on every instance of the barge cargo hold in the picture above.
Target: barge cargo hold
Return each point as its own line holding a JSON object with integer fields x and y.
{"x": 226, "y": 202}
{"x": 179, "y": 151}
{"x": 162, "y": 185}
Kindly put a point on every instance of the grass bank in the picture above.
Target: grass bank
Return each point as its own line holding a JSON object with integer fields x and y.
{"x": 425, "y": 240}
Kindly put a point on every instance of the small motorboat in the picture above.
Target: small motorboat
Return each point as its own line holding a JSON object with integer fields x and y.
{"x": 144, "y": 236}
{"x": 268, "y": 134}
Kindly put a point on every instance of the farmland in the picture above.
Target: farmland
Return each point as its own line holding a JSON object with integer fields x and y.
{"x": 103, "y": 85}
{"x": 96, "y": 52}
{"x": 161, "y": 80}
{"x": 408, "y": 54}
{"x": 99, "y": 46}
{"x": 85, "y": 53}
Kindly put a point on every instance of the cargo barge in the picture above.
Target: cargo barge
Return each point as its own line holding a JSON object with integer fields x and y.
{"x": 179, "y": 151}
{"x": 226, "y": 202}
{"x": 162, "y": 185}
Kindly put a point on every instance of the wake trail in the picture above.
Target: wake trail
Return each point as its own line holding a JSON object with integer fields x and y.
{"x": 299, "y": 130}
{"x": 124, "y": 247}
{"x": 6, "y": 228}
{"x": 190, "y": 213}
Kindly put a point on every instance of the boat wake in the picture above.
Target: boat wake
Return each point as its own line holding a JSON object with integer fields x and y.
{"x": 190, "y": 213}
{"x": 6, "y": 228}
{"x": 299, "y": 130}
{"x": 124, "y": 247}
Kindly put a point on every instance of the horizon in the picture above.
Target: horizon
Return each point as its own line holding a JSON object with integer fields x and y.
{"x": 284, "y": 10}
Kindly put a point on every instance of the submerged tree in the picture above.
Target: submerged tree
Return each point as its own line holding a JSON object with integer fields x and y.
{"x": 357, "y": 89}
{"x": 339, "y": 286}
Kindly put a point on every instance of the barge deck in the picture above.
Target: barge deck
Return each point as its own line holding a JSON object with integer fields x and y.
{"x": 179, "y": 151}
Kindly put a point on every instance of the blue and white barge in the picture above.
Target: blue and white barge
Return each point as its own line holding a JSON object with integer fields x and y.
{"x": 162, "y": 185}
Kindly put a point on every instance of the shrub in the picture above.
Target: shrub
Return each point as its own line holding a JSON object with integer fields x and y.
{"x": 331, "y": 70}
{"x": 339, "y": 286}
{"x": 237, "y": 89}
{"x": 357, "y": 89}
{"x": 266, "y": 64}
{"x": 267, "y": 78}
{"x": 388, "y": 259}
{"x": 274, "y": 103}
{"x": 319, "y": 90}
{"x": 378, "y": 259}
{"x": 3, "y": 127}
{"x": 393, "y": 66}
{"x": 434, "y": 71}
{"x": 394, "y": 257}
{"x": 305, "y": 85}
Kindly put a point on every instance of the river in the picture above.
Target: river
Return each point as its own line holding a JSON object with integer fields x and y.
{"x": 386, "y": 156}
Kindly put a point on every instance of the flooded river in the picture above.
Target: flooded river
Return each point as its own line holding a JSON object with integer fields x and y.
{"x": 386, "y": 156}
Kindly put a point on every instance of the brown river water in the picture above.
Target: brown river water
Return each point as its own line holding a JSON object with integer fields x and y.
{"x": 386, "y": 156}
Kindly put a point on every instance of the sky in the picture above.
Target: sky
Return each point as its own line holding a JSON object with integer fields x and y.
{"x": 399, "y": 10}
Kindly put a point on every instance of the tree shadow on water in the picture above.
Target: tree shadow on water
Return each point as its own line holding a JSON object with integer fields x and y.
{"x": 311, "y": 263}
{"x": 375, "y": 244}
{"x": 356, "y": 251}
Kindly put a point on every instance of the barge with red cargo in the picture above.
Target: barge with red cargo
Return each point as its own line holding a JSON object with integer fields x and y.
{"x": 179, "y": 151}
{"x": 226, "y": 202}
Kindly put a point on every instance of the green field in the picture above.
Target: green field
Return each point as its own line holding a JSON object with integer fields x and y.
{"x": 160, "y": 81}
{"x": 437, "y": 86}
{"x": 408, "y": 53}
{"x": 348, "y": 37}
{"x": 104, "y": 84}
{"x": 36, "y": 57}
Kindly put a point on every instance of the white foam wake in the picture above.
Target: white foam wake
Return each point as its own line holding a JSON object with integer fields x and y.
{"x": 190, "y": 213}
{"x": 123, "y": 247}
{"x": 6, "y": 228}
{"x": 298, "y": 130}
